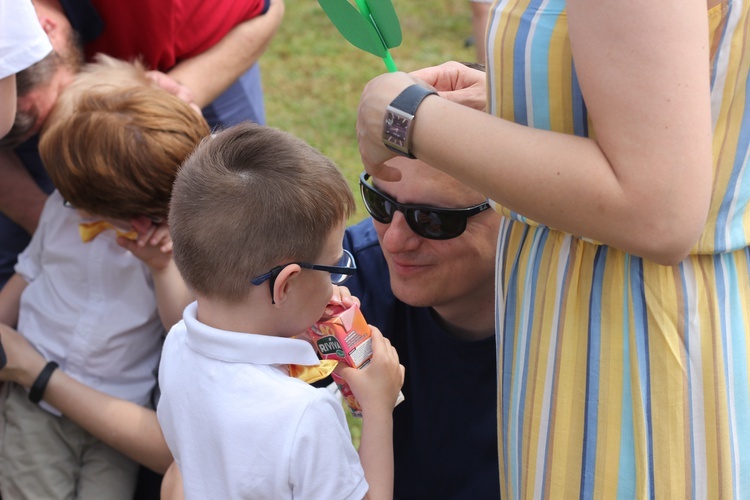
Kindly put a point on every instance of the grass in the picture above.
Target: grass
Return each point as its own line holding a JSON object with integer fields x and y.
{"x": 313, "y": 77}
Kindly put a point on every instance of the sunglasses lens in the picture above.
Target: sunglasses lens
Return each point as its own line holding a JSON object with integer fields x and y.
{"x": 379, "y": 208}
{"x": 435, "y": 225}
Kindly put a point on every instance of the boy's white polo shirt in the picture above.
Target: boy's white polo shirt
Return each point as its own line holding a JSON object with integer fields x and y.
{"x": 240, "y": 427}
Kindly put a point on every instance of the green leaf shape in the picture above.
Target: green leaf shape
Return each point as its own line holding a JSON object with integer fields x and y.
{"x": 355, "y": 28}
{"x": 385, "y": 18}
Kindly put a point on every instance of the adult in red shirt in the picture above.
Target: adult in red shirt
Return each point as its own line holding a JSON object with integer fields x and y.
{"x": 210, "y": 48}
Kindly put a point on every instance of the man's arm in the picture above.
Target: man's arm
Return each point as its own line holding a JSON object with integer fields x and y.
{"x": 209, "y": 74}
{"x": 21, "y": 200}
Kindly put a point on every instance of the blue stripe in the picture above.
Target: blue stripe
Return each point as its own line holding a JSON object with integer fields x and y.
{"x": 721, "y": 41}
{"x": 507, "y": 353}
{"x": 733, "y": 222}
{"x": 580, "y": 115}
{"x": 519, "y": 69}
{"x": 520, "y": 381}
{"x": 540, "y": 91}
{"x": 540, "y": 238}
{"x": 644, "y": 369}
{"x": 626, "y": 471}
{"x": 591, "y": 410}
{"x": 736, "y": 347}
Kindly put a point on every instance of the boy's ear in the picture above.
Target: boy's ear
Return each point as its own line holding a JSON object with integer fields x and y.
{"x": 284, "y": 281}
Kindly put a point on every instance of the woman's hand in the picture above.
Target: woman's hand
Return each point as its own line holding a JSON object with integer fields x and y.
{"x": 456, "y": 82}
{"x": 376, "y": 97}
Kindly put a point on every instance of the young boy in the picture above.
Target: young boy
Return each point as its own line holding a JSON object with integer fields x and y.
{"x": 257, "y": 219}
{"x": 96, "y": 305}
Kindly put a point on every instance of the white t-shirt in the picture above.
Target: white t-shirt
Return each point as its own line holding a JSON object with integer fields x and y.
{"x": 240, "y": 427}
{"x": 23, "y": 42}
{"x": 91, "y": 307}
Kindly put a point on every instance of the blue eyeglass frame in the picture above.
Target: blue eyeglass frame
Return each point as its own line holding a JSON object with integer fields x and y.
{"x": 339, "y": 273}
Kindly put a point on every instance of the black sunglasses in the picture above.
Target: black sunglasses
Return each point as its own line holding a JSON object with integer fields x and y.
{"x": 428, "y": 222}
{"x": 341, "y": 272}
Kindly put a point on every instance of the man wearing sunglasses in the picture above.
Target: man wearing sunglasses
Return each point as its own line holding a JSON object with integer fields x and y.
{"x": 426, "y": 267}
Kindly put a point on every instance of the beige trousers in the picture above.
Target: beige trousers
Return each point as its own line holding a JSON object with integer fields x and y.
{"x": 43, "y": 456}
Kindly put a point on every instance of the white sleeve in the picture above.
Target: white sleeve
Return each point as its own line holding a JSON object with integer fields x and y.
{"x": 23, "y": 42}
{"x": 29, "y": 264}
{"x": 325, "y": 463}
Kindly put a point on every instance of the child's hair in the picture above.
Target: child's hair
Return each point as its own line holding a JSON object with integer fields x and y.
{"x": 248, "y": 199}
{"x": 114, "y": 141}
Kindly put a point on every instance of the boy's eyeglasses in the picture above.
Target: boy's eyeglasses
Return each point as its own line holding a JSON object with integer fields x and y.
{"x": 341, "y": 272}
{"x": 428, "y": 222}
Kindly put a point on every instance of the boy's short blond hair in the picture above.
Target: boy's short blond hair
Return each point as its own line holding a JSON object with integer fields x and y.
{"x": 114, "y": 141}
{"x": 248, "y": 199}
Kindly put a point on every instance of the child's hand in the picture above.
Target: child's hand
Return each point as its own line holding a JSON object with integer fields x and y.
{"x": 376, "y": 386}
{"x": 341, "y": 296}
{"x": 153, "y": 246}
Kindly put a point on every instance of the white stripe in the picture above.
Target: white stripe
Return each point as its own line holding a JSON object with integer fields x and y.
{"x": 722, "y": 62}
{"x": 696, "y": 383}
{"x": 541, "y": 457}
{"x": 738, "y": 187}
{"x": 495, "y": 15}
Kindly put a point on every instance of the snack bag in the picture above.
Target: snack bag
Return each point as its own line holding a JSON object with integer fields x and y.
{"x": 344, "y": 335}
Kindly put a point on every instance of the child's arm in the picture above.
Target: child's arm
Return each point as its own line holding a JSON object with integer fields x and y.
{"x": 10, "y": 299}
{"x": 154, "y": 247}
{"x": 376, "y": 387}
{"x": 125, "y": 426}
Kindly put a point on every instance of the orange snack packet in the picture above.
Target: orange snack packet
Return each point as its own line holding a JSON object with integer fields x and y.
{"x": 344, "y": 335}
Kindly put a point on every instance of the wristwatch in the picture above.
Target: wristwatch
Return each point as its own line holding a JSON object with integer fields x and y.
{"x": 399, "y": 119}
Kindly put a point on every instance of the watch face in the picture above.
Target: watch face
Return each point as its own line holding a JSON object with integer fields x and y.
{"x": 396, "y": 128}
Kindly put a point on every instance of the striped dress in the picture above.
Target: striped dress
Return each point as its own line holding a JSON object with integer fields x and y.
{"x": 618, "y": 377}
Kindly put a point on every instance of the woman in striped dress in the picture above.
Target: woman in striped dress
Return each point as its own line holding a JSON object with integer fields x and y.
{"x": 623, "y": 272}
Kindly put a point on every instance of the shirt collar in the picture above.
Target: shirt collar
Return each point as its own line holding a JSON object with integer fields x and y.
{"x": 239, "y": 347}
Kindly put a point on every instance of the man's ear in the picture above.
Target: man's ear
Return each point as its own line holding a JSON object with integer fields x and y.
{"x": 284, "y": 281}
{"x": 48, "y": 23}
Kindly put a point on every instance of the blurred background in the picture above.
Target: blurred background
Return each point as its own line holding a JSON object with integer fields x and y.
{"x": 313, "y": 77}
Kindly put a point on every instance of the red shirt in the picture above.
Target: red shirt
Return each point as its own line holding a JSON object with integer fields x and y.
{"x": 164, "y": 32}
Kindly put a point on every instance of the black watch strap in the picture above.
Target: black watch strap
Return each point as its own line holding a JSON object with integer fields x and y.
{"x": 407, "y": 103}
{"x": 411, "y": 97}
{"x": 40, "y": 384}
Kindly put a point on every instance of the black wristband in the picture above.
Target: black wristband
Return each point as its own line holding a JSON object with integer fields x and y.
{"x": 40, "y": 384}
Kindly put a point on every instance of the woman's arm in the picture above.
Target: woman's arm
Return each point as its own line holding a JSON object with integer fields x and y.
{"x": 125, "y": 426}
{"x": 642, "y": 184}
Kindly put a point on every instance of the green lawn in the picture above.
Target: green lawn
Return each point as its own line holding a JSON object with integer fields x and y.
{"x": 313, "y": 77}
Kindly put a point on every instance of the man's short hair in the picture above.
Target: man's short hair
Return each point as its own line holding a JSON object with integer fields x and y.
{"x": 248, "y": 199}
{"x": 113, "y": 142}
